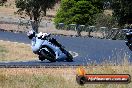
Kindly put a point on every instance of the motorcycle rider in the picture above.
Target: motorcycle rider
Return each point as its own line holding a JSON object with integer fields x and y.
{"x": 35, "y": 44}
{"x": 37, "y": 40}
{"x": 52, "y": 40}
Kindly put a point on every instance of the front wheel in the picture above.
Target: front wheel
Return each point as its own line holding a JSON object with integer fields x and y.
{"x": 69, "y": 56}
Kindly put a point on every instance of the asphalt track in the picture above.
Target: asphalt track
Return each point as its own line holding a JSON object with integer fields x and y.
{"x": 90, "y": 50}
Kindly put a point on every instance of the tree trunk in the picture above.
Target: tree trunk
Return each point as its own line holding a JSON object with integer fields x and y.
{"x": 35, "y": 26}
{"x": 78, "y": 31}
{"x": 45, "y": 12}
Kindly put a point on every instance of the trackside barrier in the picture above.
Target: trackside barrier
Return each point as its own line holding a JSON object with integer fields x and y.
{"x": 92, "y": 31}
{"x": 21, "y": 23}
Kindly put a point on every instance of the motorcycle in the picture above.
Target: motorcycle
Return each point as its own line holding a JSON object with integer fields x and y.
{"x": 129, "y": 45}
{"x": 128, "y": 41}
{"x": 49, "y": 48}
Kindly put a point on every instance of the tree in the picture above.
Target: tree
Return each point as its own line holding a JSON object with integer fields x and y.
{"x": 103, "y": 20}
{"x": 2, "y": 2}
{"x": 35, "y": 9}
{"x": 122, "y": 11}
{"x": 78, "y": 11}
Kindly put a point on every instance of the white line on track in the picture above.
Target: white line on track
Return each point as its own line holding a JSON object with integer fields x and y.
{"x": 15, "y": 42}
{"x": 74, "y": 54}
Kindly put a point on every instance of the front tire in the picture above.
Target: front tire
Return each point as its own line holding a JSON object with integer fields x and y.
{"x": 69, "y": 56}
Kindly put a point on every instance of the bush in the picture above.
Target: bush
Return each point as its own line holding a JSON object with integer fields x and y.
{"x": 76, "y": 12}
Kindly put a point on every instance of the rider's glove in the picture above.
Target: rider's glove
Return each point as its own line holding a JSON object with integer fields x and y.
{"x": 39, "y": 35}
{"x": 45, "y": 35}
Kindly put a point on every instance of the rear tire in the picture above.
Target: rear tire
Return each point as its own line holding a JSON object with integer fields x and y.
{"x": 41, "y": 58}
{"x": 51, "y": 58}
{"x": 49, "y": 55}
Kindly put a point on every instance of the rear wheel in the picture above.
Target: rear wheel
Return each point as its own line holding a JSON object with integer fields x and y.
{"x": 51, "y": 58}
{"x": 41, "y": 58}
{"x": 49, "y": 54}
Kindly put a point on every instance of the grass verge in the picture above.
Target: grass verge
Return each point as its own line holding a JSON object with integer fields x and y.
{"x": 10, "y": 51}
{"x": 57, "y": 77}
{"x": 49, "y": 77}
